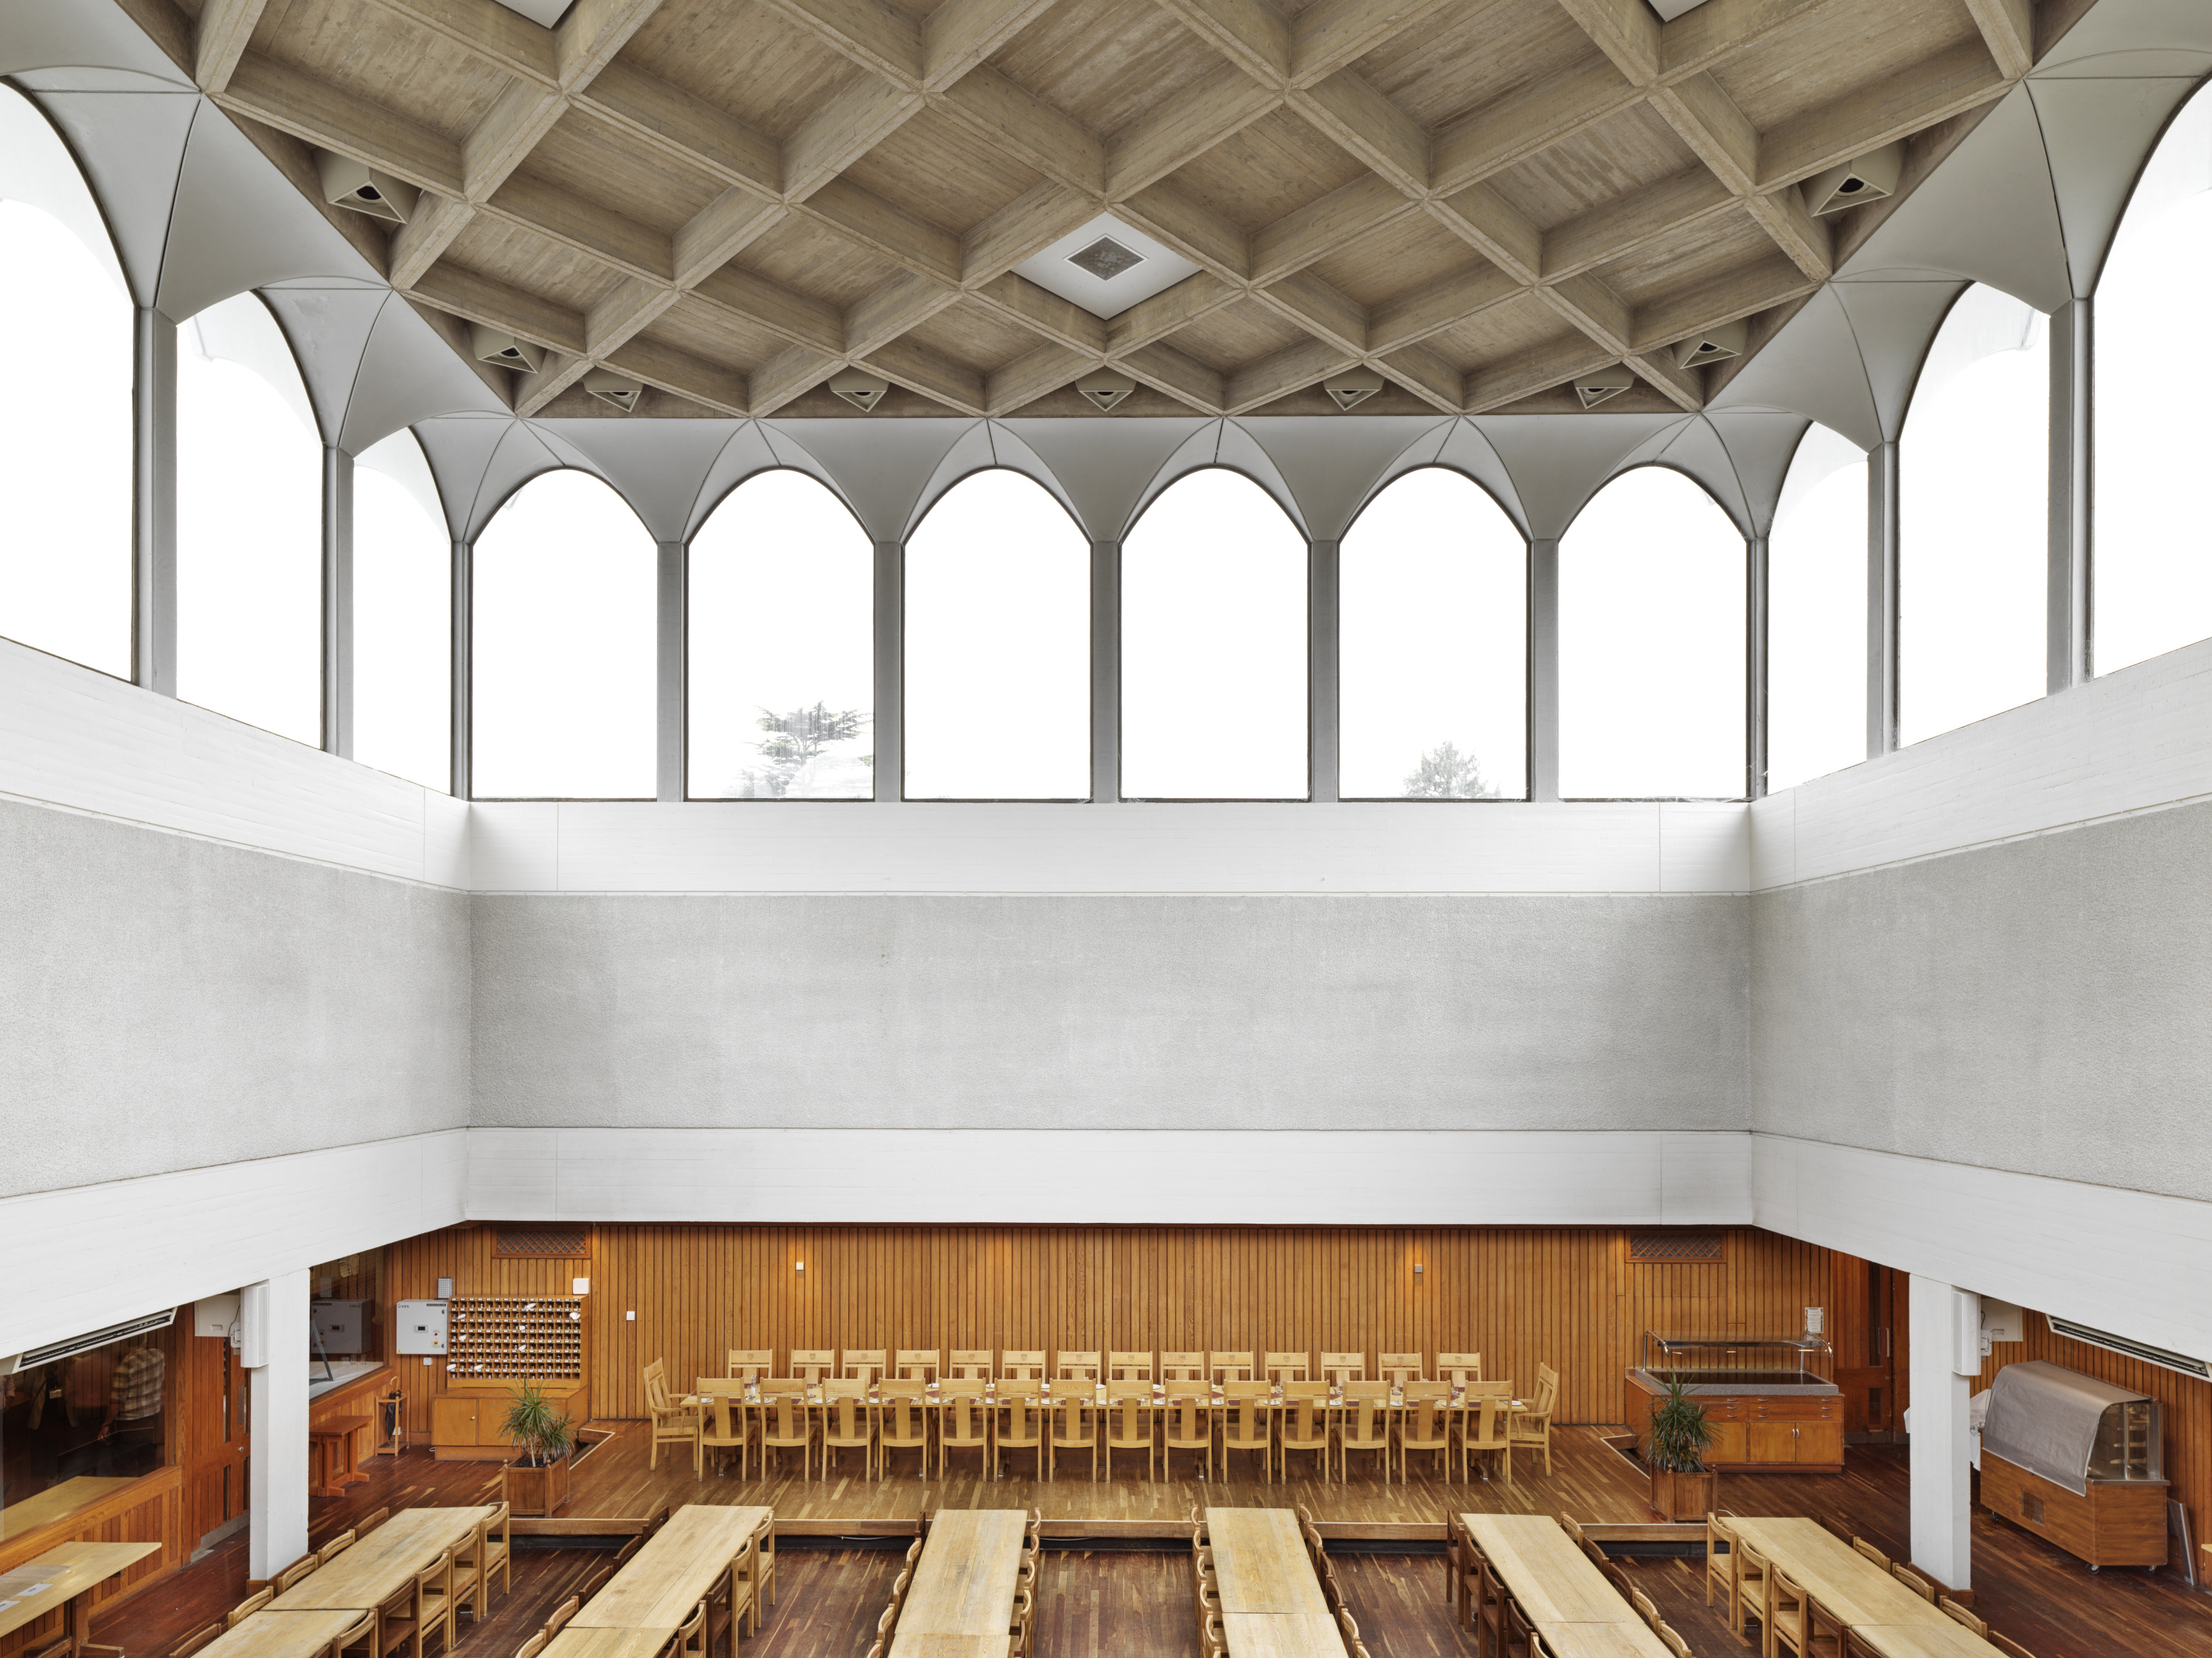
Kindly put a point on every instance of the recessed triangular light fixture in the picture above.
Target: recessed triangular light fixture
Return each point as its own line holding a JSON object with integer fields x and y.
{"x": 860, "y": 388}
{"x": 609, "y": 387}
{"x": 355, "y": 184}
{"x": 497, "y": 345}
{"x": 1867, "y": 178}
{"x": 1105, "y": 390}
{"x": 1351, "y": 387}
{"x": 1711, "y": 346}
{"x": 1605, "y": 384}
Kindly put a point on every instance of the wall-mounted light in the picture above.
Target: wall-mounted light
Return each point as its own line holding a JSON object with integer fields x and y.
{"x": 1416, "y": 1268}
{"x": 801, "y": 1266}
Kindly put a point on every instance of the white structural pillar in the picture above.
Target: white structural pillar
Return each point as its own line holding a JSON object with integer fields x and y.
{"x": 338, "y": 600}
{"x": 2067, "y": 609}
{"x": 1544, "y": 669}
{"x": 1323, "y": 675}
{"x": 1883, "y": 533}
{"x": 462, "y": 677}
{"x": 273, "y": 1332}
{"x": 1947, "y": 1337}
{"x": 1755, "y": 668}
{"x": 153, "y": 502}
{"x": 1105, "y": 672}
{"x": 890, "y": 673}
{"x": 669, "y": 710}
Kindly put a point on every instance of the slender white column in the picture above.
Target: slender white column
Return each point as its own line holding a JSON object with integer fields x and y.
{"x": 153, "y": 502}
{"x": 890, "y": 673}
{"x": 338, "y": 600}
{"x": 1321, "y": 672}
{"x": 1755, "y": 668}
{"x": 1943, "y": 1322}
{"x": 1105, "y": 672}
{"x": 2066, "y": 606}
{"x": 669, "y": 708}
{"x": 1882, "y": 540}
{"x": 1544, "y": 669}
{"x": 275, "y": 1318}
{"x": 461, "y": 681}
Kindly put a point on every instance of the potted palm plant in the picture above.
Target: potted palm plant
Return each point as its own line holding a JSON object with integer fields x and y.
{"x": 1675, "y": 1446}
{"x": 537, "y": 1481}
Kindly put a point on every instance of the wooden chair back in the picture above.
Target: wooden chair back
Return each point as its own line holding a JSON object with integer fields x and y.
{"x": 1366, "y": 1422}
{"x": 1913, "y": 1581}
{"x": 1286, "y": 1366}
{"x": 1402, "y": 1368}
{"x": 1305, "y": 1415}
{"x": 298, "y": 1571}
{"x": 1022, "y": 1364}
{"x": 1963, "y": 1616}
{"x": 902, "y": 1410}
{"x": 364, "y": 1527}
{"x": 865, "y": 1364}
{"x": 1182, "y": 1367}
{"x": 335, "y": 1547}
{"x": 973, "y": 1361}
{"x": 923, "y": 1364}
{"x": 1422, "y": 1427}
{"x": 845, "y": 1411}
{"x": 1129, "y": 1367}
{"x": 2007, "y": 1645}
{"x": 1458, "y": 1367}
{"x": 1870, "y": 1552}
{"x": 1078, "y": 1366}
{"x": 557, "y": 1619}
{"x": 810, "y": 1364}
{"x": 656, "y": 1385}
{"x": 964, "y": 1421}
{"x": 361, "y": 1638}
{"x": 1248, "y": 1416}
{"x": 1229, "y": 1367}
{"x": 751, "y": 1363}
{"x": 1021, "y": 1423}
{"x": 1341, "y": 1367}
{"x": 192, "y": 1643}
{"x": 246, "y": 1608}
{"x": 532, "y": 1647}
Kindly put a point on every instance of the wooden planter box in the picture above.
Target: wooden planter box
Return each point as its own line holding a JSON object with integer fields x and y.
{"x": 1675, "y": 1497}
{"x": 537, "y": 1491}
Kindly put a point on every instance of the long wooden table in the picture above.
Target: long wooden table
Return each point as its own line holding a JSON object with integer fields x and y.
{"x": 961, "y": 1603}
{"x": 1884, "y": 1613}
{"x": 1272, "y": 1605}
{"x": 674, "y": 1571}
{"x": 381, "y": 1564}
{"x": 574, "y": 1643}
{"x": 1578, "y": 1611}
{"x": 270, "y": 1634}
{"x": 58, "y": 1502}
{"x": 62, "y": 1577}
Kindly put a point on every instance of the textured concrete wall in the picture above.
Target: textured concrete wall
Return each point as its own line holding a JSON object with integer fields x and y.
{"x": 1222, "y": 1013}
{"x": 167, "y": 1003}
{"x": 2043, "y": 1006}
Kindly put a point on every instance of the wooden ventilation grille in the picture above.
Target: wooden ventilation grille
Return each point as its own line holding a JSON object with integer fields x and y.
{"x": 507, "y": 1337}
{"x": 1677, "y": 1247}
{"x": 568, "y": 1242}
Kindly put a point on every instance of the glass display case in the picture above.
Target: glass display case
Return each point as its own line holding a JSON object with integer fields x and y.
{"x": 2077, "y": 1461}
{"x": 1732, "y": 1364}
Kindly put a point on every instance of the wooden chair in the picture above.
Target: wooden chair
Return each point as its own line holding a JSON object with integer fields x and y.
{"x": 246, "y": 1608}
{"x": 299, "y": 1571}
{"x": 691, "y": 1635}
{"x": 1423, "y": 1428}
{"x": 1481, "y": 1434}
{"x": 1283, "y": 1368}
{"x": 364, "y": 1527}
{"x": 672, "y": 1423}
{"x": 359, "y": 1641}
{"x": 2007, "y": 1645}
{"x": 1341, "y": 1367}
{"x": 1751, "y": 1571}
{"x": 1182, "y": 1367}
{"x": 1129, "y": 1367}
{"x": 1871, "y": 1552}
{"x": 1188, "y": 1424}
{"x": 333, "y": 1547}
{"x": 1485, "y": 1608}
{"x": 1129, "y": 1427}
{"x": 740, "y": 1600}
{"x": 499, "y": 1548}
{"x": 764, "y": 1566}
{"x": 1020, "y": 1426}
{"x": 810, "y": 1364}
{"x": 1720, "y": 1568}
{"x": 1364, "y": 1426}
{"x": 434, "y": 1604}
{"x": 1210, "y": 1639}
{"x": 1673, "y": 1642}
{"x": 625, "y": 1554}
{"x": 1078, "y": 1367}
{"x": 722, "y": 1427}
{"x": 1075, "y": 1427}
{"x": 1349, "y": 1624}
{"x": 921, "y": 1364}
{"x": 750, "y": 1364}
{"x": 1305, "y": 1423}
{"x": 1644, "y": 1609}
{"x": 865, "y": 1364}
{"x": 1460, "y": 1367}
{"x": 532, "y": 1647}
{"x": 1017, "y": 1631}
{"x": 1531, "y": 1429}
{"x": 1781, "y": 1620}
{"x": 1221, "y": 1367}
{"x": 1519, "y": 1638}
{"x": 847, "y": 1423}
{"x": 470, "y": 1590}
{"x": 558, "y": 1619}
{"x": 1248, "y": 1423}
{"x": 901, "y": 1423}
{"x": 594, "y": 1583}
{"x": 963, "y": 1424}
{"x": 1913, "y": 1581}
{"x": 192, "y": 1643}
{"x": 1399, "y": 1368}
{"x": 1962, "y": 1615}
{"x": 786, "y": 1423}
{"x": 978, "y": 1363}
{"x": 1022, "y": 1364}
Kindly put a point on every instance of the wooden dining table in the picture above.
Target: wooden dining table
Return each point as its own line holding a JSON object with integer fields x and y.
{"x": 675, "y": 1570}
{"x": 378, "y": 1566}
{"x": 1576, "y": 1609}
{"x": 65, "y": 1577}
{"x": 1272, "y": 1605}
{"x": 962, "y": 1598}
{"x": 270, "y": 1634}
{"x": 574, "y": 1643}
{"x": 1881, "y": 1611}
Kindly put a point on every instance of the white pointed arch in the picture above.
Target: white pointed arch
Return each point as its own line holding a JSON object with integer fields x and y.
{"x": 401, "y": 615}
{"x": 1218, "y": 443}
{"x": 1816, "y": 612}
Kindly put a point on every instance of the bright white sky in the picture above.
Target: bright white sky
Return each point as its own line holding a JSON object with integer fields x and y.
{"x": 1816, "y": 614}
{"x": 402, "y": 628}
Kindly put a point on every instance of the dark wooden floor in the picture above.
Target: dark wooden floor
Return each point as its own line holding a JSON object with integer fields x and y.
{"x": 1099, "y": 1602}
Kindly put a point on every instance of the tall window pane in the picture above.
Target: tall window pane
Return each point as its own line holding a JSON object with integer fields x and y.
{"x": 1433, "y": 619}
{"x": 1213, "y": 646}
{"x": 2152, "y": 567}
{"x": 402, "y": 616}
{"x": 782, "y": 665}
{"x": 1973, "y": 520}
{"x": 249, "y": 524}
{"x": 1816, "y": 573}
{"x": 64, "y": 445}
{"x": 1651, "y": 685}
{"x": 998, "y": 646}
{"x": 563, "y": 646}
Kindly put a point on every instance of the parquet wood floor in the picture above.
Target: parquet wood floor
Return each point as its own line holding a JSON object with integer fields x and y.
{"x": 1135, "y": 1605}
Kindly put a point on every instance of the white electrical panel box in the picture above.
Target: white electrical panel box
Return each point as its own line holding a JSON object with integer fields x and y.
{"x": 420, "y": 1327}
{"x": 215, "y": 1315}
{"x": 2001, "y": 1321}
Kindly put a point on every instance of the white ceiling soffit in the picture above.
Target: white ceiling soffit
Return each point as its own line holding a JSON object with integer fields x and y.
{"x": 657, "y": 465}
{"x": 2097, "y": 131}
{"x": 1761, "y": 443}
{"x": 2123, "y": 26}
{"x": 1157, "y": 268}
{"x": 973, "y": 451}
{"x": 1820, "y": 454}
{"x": 399, "y": 458}
{"x": 883, "y": 465}
{"x": 467, "y": 454}
{"x": 1009, "y": 450}
{"x": 1468, "y": 450}
{"x": 1696, "y": 448}
{"x": 1239, "y": 449}
{"x": 1559, "y": 462}
{"x": 745, "y": 450}
{"x": 1104, "y": 466}
{"x": 242, "y": 330}
{"x": 37, "y": 169}
{"x": 1988, "y": 212}
{"x": 1812, "y": 366}
{"x": 50, "y": 47}
{"x": 408, "y": 372}
{"x": 131, "y": 147}
{"x": 328, "y": 330}
{"x": 1331, "y": 464}
{"x": 1893, "y": 323}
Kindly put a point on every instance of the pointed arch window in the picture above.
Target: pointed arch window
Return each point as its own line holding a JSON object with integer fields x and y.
{"x": 780, "y": 608}
{"x": 403, "y": 589}
{"x": 1213, "y": 645}
{"x": 1433, "y": 619}
{"x": 65, "y": 442}
{"x": 1816, "y": 577}
{"x": 1651, "y": 644}
{"x": 2152, "y": 570}
{"x": 998, "y": 646}
{"x": 249, "y": 524}
{"x": 1973, "y": 525}
{"x": 563, "y": 626}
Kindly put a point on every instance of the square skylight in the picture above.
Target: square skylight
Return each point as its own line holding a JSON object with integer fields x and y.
{"x": 1106, "y": 267}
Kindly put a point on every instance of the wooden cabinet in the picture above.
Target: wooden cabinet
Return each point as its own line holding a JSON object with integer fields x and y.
{"x": 2113, "y": 1523}
{"x": 1758, "y": 1433}
{"x": 464, "y": 1421}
